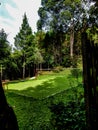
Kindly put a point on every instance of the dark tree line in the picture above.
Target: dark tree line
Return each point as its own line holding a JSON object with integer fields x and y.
{"x": 56, "y": 43}
{"x": 32, "y": 51}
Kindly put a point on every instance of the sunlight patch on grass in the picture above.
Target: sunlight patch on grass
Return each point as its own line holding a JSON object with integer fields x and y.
{"x": 21, "y": 85}
{"x": 44, "y": 85}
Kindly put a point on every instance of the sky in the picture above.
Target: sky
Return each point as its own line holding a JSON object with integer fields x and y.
{"x": 11, "y": 15}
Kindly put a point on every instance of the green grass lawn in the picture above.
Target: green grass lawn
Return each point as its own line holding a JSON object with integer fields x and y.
{"x": 44, "y": 85}
{"x": 31, "y": 98}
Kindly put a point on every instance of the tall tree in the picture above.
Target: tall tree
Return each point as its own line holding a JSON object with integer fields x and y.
{"x": 24, "y": 39}
{"x": 14, "y": 65}
{"x": 38, "y": 50}
{"x": 53, "y": 47}
{"x": 64, "y": 16}
{"x": 4, "y": 46}
{"x": 5, "y": 50}
{"x": 60, "y": 16}
{"x": 90, "y": 71}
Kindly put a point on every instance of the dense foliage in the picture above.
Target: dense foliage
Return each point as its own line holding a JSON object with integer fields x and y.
{"x": 58, "y": 44}
{"x": 36, "y": 106}
{"x": 5, "y": 51}
{"x": 4, "y": 46}
{"x": 70, "y": 116}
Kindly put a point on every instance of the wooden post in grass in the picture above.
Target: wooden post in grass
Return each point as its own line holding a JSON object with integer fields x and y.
{"x": 8, "y": 119}
{"x": 90, "y": 77}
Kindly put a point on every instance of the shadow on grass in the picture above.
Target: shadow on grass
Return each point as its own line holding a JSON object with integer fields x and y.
{"x": 50, "y": 87}
{"x": 32, "y": 104}
{"x": 45, "y": 89}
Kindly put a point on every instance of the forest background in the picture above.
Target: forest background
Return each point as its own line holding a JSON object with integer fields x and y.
{"x": 56, "y": 44}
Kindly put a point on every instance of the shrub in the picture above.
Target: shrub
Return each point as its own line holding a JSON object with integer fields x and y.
{"x": 58, "y": 69}
{"x": 67, "y": 61}
{"x": 68, "y": 117}
{"x": 76, "y": 73}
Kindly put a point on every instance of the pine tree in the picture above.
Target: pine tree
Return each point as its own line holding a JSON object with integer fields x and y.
{"x": 4, "y": 46}
{"x": 5, "y": 50}
{"x": 24, "y": 39}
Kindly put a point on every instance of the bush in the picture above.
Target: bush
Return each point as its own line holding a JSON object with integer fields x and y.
{"x": 58, "y": 69}
{"x": 76, "y": 73}
{"x": 70, "y": 61}
{"x": 67, "y": 61}
{"x": 68, "y": 117}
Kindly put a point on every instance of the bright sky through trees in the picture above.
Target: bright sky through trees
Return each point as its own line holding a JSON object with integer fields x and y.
{"x": 11, "y": 15}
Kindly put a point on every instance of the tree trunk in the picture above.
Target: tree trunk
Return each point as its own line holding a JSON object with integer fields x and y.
{"x": 1, "y": 73}
{"x": 90, "y": 74}
{"x": 71, "y": 41}
{"x": 24, "y": 64}
{"x": 23, "y": 70}
{"x": 8, "y": 119}
{"x": 40, "y": 66}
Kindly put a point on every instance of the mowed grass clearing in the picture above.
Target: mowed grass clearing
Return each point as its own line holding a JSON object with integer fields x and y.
{"x": 31, "y": 98}
{"x": 44, "y": 85}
